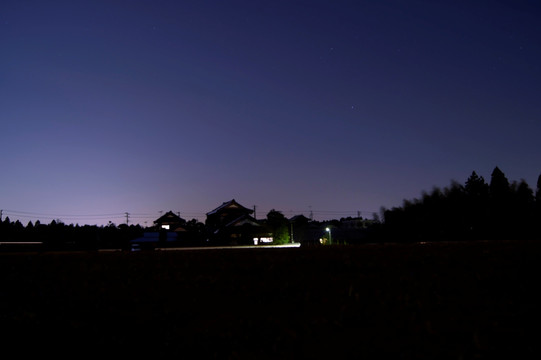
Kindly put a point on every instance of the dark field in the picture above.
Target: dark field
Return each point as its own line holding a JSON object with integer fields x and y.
{"x": 434, "y": 301}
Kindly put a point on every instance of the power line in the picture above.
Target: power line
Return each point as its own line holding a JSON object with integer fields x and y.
{"x": 16, "y": 212}
{"x": 144, "y": 217}
{"x": 184, "y": 213}
{"x": 329, "y": 212}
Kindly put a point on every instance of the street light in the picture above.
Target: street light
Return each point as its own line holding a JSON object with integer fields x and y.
{"x": 330, "y": 238}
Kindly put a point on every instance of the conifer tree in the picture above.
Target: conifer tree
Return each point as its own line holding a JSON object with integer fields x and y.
{"x": 538, "y": 192}
{"x": 476, "y": 186}
{"x": 499, "y": 185}
{"x": 500, "y": 226}
{"x": 476, "y": 209}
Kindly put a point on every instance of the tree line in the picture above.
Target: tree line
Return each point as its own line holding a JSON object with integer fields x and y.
{"x": 475, "y": 210}
{"x": 59, "y": 236}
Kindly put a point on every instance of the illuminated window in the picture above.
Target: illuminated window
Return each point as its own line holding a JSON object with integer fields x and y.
{"x": 166, "y": 227}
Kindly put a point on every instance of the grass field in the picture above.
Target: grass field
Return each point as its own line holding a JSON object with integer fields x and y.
{"x": 434, "y": 301}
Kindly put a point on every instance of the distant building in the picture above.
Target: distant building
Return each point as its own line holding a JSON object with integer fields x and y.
{"x": 225, "y": 213}
{"x": 353, "y": 223}
{"x": 304, "y": 230}
{"x": 299, "y": 219}
{"x": 171, "y": 222}
{"x": 232, "y": 223}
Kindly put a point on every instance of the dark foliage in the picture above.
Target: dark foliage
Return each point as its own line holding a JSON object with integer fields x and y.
{"x": 477, "y": 210}
{"x": 279, "y": 226}
{"x": 473, "y": 211}
{"x": 59, "y": 236}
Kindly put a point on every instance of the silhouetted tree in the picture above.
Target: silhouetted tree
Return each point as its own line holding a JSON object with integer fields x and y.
{"x": 476, "y": 207}
{"x": 476, "y": 187}
{"x": 18, "y": 226}
{"x": 523, "y": 210}
{"x": 524, "y": 195}
{"x": 6, "y": 230}
{"x": 538, "y": 192}
{"x": 499, "y": 185}
{"x": 456, "y": 223}
{"x": 195, "y": 233}
{"x": 500, "y": 205}
{"x": 476, "y": 210}
{"x": 279, "y": 226}
{"x": 537, "y": 210}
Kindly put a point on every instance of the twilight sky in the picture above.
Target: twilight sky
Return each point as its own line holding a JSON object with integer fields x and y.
{"x": 334, "y": 106}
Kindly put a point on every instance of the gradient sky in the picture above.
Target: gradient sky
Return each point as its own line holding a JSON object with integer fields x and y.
{"x": 333, "y": 107}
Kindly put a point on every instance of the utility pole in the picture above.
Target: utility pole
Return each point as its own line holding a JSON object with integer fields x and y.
{"x": 292, "y": 233}
{"x": 255, "y": 216}
{"x": 127, "y": 218}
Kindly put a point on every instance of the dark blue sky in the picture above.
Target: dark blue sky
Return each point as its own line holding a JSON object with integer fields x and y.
{"x": 109, "y": 107}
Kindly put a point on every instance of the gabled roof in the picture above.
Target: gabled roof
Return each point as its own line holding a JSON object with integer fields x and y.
{"x": 300, "y": 218}
{"x": 243, "y": 220}
{"x": 240, "y": 221}
{"x": 232, "y": 204}
{"x": 169, "y": 217}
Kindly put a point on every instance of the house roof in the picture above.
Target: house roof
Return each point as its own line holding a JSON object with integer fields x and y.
{"x": 242, "y": 220}
{"x": 232, "y": 204}
{"x": 169, "y": 217}
{"x": 300, "y": 217}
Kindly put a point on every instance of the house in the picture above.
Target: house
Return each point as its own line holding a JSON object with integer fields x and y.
{"x": 167, "y": 229}
{"x": 233, "y": 224}
{"x": 170, "y": 230}
{"x": 171, "y": 222}
{"x": 225, "y": 213}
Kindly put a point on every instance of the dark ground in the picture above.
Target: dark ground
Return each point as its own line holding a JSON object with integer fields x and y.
{"x": 434, "y": 301}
